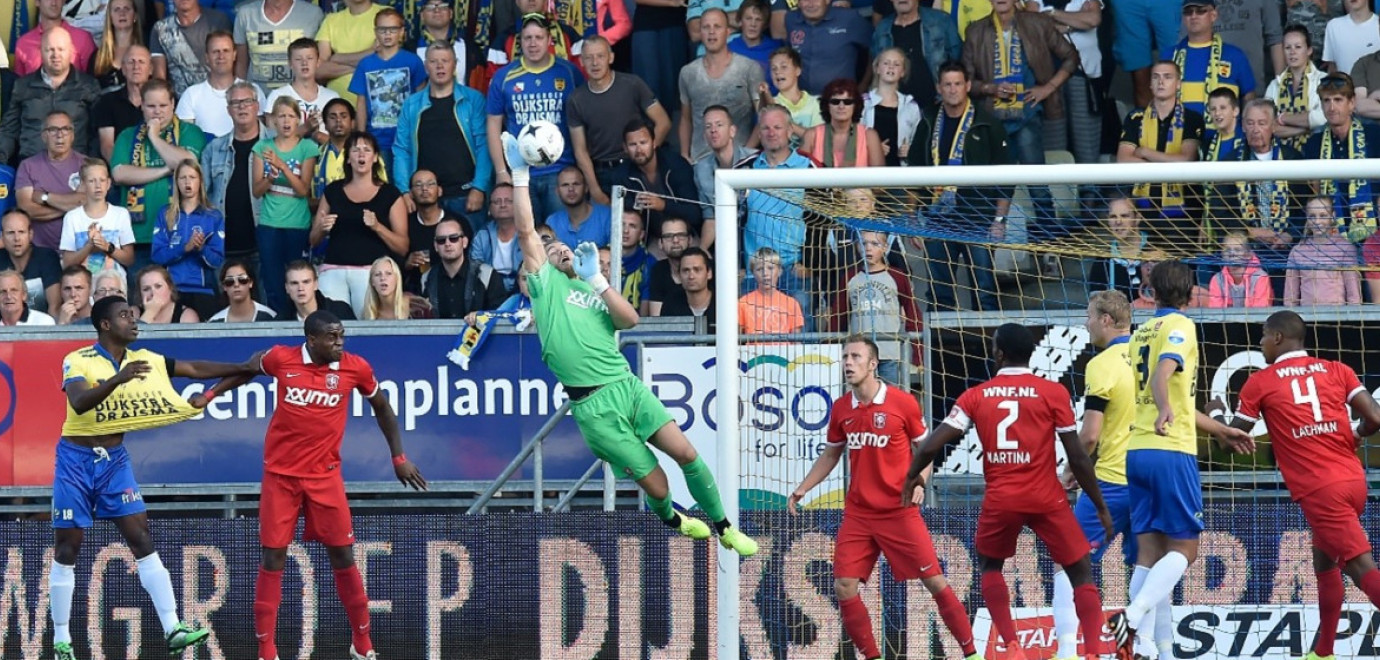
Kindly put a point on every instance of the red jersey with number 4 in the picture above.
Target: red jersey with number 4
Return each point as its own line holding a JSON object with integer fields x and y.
{"x": 1018, "y": 416}
{"x": 313, "y": 404}
{"x": 879, "y": 435}
{"x": 1304, "y": 401}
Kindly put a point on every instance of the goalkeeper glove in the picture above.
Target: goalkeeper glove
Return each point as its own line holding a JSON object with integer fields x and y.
{"x": 586, "y": 265}
{"x": 516, "y": 164}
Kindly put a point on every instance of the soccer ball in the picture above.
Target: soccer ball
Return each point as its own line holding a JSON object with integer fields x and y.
{"x": 541, "y": 143}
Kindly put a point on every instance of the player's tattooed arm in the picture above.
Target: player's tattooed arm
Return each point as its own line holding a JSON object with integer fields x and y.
{"x": 404, "y": 469}
{"x": 923, "y": 455}
{"x": 820, "y": 471}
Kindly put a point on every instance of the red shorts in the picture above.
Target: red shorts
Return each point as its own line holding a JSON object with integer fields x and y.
{"x": 902, "y": 537}
{"x": 282, "y": 499}
{"x": 997, "y": 532}
{"x": 1334, "y": 513}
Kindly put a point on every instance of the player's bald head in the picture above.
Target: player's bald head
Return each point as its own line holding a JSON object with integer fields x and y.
{"x": 1015, "y": 342}
{"x": 1288, "y": 324}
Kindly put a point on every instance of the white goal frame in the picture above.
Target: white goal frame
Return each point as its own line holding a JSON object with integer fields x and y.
{"x": 729, "y": 183}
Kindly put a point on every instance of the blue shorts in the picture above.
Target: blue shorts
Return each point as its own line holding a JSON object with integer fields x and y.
{"x": 89, "y": 484}
{"x": 1138, "y": 23}
{"x": 1118, "y": 499}
{"x": 1166, "y": 493}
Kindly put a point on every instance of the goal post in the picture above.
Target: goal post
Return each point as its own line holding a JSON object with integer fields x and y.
{"x": 898, "y": 220}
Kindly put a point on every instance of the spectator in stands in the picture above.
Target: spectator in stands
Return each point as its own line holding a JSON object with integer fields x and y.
{"x": 178, "y": 43}
{"x": 119, "y": 109}
{"x": 237, "y": 283}
{"x": 1370, "y": 257}
{"x": 1206, "y": 61}
{"x": 339, "y": 119}
{"x": 784, "y": 76}
{"x": 563, "y": 41}
{"x": 695, "y": 297}
{"x": 304, "y": 297}
{"x": 459, "y": 285}
{"x": 534, "y": 87}
{"x": 1322, "y": 267}
{"x": 1086, "y": 100}
{"x": 14, "y": 303}
{"x": 365, "y": 218}
{"x": 841, "y": 141}
{"x": 665, "y": 275}
{"x": 384, "y": 80}
{"x": 55, "y": 86}
{"x": 203, "y": 104}
{"x": 161, "y": 302}
{"x": 28, "y": 49}
{"x": 496, "y": 243}
{"x": 753, "y": 39}
{"x": 606, "y": 262}
{"x": 926, "y": 37}
{"x": 47, "y": 184}
{"x": 189, "y": 239}
{"x": 720, "y": 77}
{"x": 1241, "y": 282}
{"x": 891, "y": 113}
{"x": 725, "y": 152}
{"x": 637, "y": 261}
{"x": 960, "y": 132}
{"x": 143, "y": 160}
{"x": 107, "y": 283}
{"x": 227, "y": 163}
{"x": 1146, "y": 300}
{"x": 1351, "y": 37}
{"x": 1295, "y": 90}
{"x": 832, "y": 42}
{"x": 345, "y": 38}
{"x": 266, "y": 36}
{"x": 40, "y": 267}
{"x": 662, "y": 182}
{"x": 386, "y": 300}
{"x": 1257, "y": 27}
{"x": 1313, "y": 15}
{"x": 877, "y": 299}
{"x": 599, "y": 110}
{"x": 1223, "y": 141}
{"x": 765, "y": 310}
{"x": 438, "y": 27}
{"x": 441, "y": 129}
{"x": 1127, "y": 244}
{"x": 615, "y": 21}
{"x": 304, "y": 56}
{"x": 660, "y": 48}
{"x": 1346, "y": 137}
{"x": 1144, "y": 29}
{"x": 421, "y": 228}
{"x": 122, "y": 30}
{"x": 579, "y": 220}
{"x": 97, "y": 234}
{"x": 771, "y": 220}
{"x": 1019, "y": 85}
{"x": 1163, "y": 132}
{"x": 76, "y": 296}
{"x": 282, "y": 168}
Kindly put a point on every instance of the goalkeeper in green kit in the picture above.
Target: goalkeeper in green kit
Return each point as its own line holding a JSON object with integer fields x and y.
{"x": 576, "y": 313}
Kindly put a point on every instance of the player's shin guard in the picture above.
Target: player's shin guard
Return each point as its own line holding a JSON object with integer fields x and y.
{"x": 1370, "y": 584}
{"x": 859, "y": 626}
{"x": 1159, "y": 585}
{"x": 156, "y": 581}
{"x": 1088, "y": 603}
{"x": 1331, "y": 593}
{"x": 956, "y": 619}
{"x": 350, "y": 585}
{"x": 998, "y": 597}
{"x": 700, "y": 481}
{"x": 268, "y": 594}
{"x": 1065, "y": 617}
{"x": 62, "y": 582}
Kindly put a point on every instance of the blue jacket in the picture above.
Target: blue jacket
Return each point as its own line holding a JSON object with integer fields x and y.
{"x": 482, "y": 250}
{"x": 195, "y": 271}
{"x": 469, "y": 113}
{"x": 938, "y": 34}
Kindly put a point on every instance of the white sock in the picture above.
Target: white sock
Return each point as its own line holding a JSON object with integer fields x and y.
{"x": 62, "y": 582}
{"x": 158, "y": 583}
{"x": 1164, "y": 628}
{"x": 1159, "y": 585}
{"x": 1145, "y": 641}
{"x": 1065, "y": 617}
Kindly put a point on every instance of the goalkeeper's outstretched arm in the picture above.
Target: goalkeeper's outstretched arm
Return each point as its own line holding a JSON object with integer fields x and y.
{"x": 533, "y": 250}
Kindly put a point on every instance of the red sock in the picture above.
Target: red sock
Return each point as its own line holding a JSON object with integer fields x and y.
{"x": 350, "y": 587}
{"x": 268, "y": 594}
{"x": 1088, "y": 603}
{"x": 956, "y": 619}
{"x": 1370, "y": 583}
{"x": 998, "y": 597}
{"x": 858, "y": 625}
{"x": 1331, "y": 593}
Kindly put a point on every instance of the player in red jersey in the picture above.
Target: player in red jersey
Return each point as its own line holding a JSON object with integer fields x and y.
{"x": 1017, "y": 415}
{"x": 302, "y": 469}
{"x": 1304, "y": 402}
{"x": 878, "y": 425}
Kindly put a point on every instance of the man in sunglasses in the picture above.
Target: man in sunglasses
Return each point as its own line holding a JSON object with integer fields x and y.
{"x": 1206, "y": 62}
{"x": 460, "y": 285}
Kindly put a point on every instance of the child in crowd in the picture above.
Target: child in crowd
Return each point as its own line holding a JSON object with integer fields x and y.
{"x": 282, "y": 168}
{"x": 1146, "y": 298}
{"x": 877, "y": 300}
{"x": 304, "y": 57}
{"x": 1241, "y": 282}
{"x": 1322, "y": 267}
{"x": 786, "y": 67}
{"x": 766, "y": 310}
{"x": 97, "y": 234}
{"x": 385, "y": 79}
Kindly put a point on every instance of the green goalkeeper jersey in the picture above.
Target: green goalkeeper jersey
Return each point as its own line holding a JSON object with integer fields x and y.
{"x": 576, "y": 331}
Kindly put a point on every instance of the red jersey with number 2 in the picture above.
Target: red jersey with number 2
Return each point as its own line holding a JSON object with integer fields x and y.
{"x": 1304, "y": 401}
{"x": 1017, "y": 415}
{"x": 308, "y": 425}
{"x": 879, "y": 434}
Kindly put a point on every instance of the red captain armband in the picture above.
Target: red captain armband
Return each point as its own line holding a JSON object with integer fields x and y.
{"x": 399, "y": 459}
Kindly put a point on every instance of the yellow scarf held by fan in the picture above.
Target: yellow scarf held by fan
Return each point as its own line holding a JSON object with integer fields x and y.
{"x": 1173, "y": 193}
{"x": 141, "y": 404}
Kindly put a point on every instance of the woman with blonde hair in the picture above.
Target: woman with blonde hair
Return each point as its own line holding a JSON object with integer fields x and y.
{"x": 189, "y": 239}
{"x": 386, "y": 300}
{"x": 889, "y": 111}
{"x": 123, "y": 28}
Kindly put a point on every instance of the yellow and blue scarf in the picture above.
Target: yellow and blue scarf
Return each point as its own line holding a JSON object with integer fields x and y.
{"x": 1358, "y": 197}
{"x": 955, "y": 156}
{"x": 143, "y": 155}
{"x": 1173, "y": 193}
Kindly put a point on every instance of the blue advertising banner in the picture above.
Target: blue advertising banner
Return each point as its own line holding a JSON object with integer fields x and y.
{"x": 619, "y": 585}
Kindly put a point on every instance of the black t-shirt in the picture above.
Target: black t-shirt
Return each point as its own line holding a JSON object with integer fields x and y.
{"x": 884, "y": 121}
{"x": 661, "y": 284}
{"x": 352, "y": 243}
{"x": 115, "y": 110}
{"x": 919, "y": 84}
{"x": 442, "y": 147}
{"x": 239, "y": 207}
{"x": 946, "y": 138}
{"x": 43, "y": 270}
{"x": 678, "y": 304}
{"x": 421, "y": 238}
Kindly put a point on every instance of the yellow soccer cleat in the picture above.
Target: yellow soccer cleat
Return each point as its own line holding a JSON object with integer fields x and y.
{"x": 738, "y": 542}
{"x": 692, "y": 527}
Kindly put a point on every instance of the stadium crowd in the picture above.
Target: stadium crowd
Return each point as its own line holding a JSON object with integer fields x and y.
{"x": 219, "y": 161}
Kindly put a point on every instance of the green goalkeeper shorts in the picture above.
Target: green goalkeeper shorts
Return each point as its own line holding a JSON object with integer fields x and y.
{"x": 617, "y": 421}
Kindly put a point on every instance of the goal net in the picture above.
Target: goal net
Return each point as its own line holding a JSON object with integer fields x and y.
{"x": 917, "y": 259}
